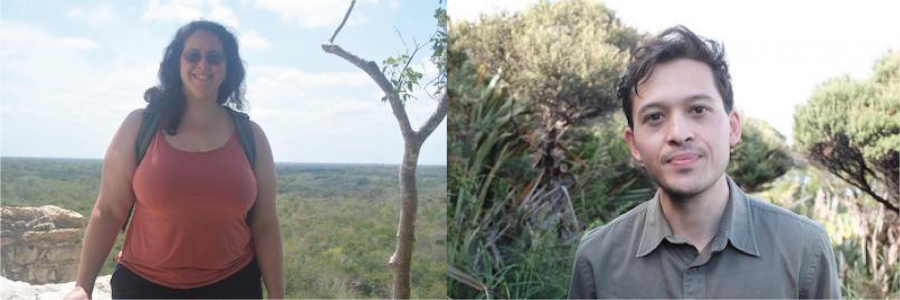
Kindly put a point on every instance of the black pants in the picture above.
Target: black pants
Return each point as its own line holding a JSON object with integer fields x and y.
{"x": 245, "y": 284}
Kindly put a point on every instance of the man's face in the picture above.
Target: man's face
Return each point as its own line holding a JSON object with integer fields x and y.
{"x": 682, "y": 134}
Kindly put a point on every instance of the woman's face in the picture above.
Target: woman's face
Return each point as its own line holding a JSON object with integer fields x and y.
{"x": 203, "y": 65}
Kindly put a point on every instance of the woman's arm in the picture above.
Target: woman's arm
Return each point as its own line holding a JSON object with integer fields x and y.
{"x": 112, "y": 205}
{"x": 264, "y": 224}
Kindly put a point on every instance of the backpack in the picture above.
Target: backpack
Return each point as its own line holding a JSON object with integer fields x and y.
{"x": 150, "y": 124}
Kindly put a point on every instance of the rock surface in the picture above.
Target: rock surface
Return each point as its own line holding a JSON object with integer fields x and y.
{"x": 40, "y": 244}
{"x": 16, "y": 290}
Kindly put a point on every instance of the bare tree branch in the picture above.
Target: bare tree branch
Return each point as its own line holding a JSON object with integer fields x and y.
{"x": 848, "y": 164}
{"x": 411, "y": 57}
{"x": 371, "y": 68}
{"x": 434, "y": 120}
{"x": 400, "y": 115}
{"x": 402, "y": 40}
{"x": 346, "y": 16}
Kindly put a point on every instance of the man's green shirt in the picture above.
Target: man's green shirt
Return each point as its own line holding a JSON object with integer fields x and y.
{"x": 761, "y": 251}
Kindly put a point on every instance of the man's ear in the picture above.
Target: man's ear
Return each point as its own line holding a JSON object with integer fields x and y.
{"x": 734, "y": 122}
{"x": 629, "y": 139}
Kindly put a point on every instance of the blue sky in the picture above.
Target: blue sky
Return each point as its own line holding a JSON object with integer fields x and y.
{"x": 778, "y": 51}
{"x": 70, "y": 71}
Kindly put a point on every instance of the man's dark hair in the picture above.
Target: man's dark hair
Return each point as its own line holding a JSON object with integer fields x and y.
{"x": 674, "y": 43}
{"x": 168, "y": 95}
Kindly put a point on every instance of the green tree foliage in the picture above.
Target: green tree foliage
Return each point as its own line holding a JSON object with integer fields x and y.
{"x": 439, "y": 47}
{"x": 863, "y": 234}
{"x": 851, "y": 128}
{"x": 609, "y": 183}
{"x": 560, "y": 61}
{"x": 523, "y": 87}
{"x": 404, "y": 79}
{"x": 564, "y": 58}
{"x": 68, "y": 183}
{"x": 761, "y": 157}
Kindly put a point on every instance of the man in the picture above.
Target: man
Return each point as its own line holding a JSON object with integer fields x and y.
{"x": 700, "y": 236}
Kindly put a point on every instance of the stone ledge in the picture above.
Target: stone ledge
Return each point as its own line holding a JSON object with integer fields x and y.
{"x": 40, "y": 244}
{"x": 16, "y": 290}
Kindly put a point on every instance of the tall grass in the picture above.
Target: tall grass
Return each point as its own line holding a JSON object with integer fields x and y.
{"x": 504, "y": 240}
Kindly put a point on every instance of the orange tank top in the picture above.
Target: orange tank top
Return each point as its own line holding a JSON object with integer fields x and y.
{"x": 189, "y": 224}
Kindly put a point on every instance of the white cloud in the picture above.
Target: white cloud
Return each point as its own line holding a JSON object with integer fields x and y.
{"x": 15, "y": 34}
{"x": 312, "y": 116}
{"x": 284, "y": 94}
{"x": 182, "y": 11}
{"x": 278, "y": 77}
{"x": 96, "y": 14}
{"x": 224, "y": 14}
{"x": 22, "y": 39}
{"x": 190, "y": 10}
{"x": 54, "y": 96}
{"x": 48, "y": 70}
{"x": 314, "y": 13}
{"x": 252, "y": 40}
{"x": 77, "y": 43}
{"x": 75, "y": 13}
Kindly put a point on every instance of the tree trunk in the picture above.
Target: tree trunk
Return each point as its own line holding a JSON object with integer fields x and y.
{"x": 401, "y": 260}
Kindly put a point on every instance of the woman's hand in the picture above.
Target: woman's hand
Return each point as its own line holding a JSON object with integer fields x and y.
{"x": 77, "y": 293}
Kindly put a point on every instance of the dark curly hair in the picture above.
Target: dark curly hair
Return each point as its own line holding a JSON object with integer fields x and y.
{"x": 674, "y": 43}
{"x": 168, "y": 96}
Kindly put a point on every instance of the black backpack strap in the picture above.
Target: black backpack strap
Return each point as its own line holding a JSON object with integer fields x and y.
{"x": 245, "y": 133}
{"x": 149, "y": 124}
{"x": 145, "y": 133}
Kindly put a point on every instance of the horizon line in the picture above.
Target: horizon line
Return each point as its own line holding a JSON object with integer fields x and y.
{"x": 277, "y": 162}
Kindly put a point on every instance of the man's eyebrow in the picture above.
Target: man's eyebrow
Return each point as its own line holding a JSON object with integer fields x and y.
{"x": 659, "y": 105}
{"x": 698, "y": 97}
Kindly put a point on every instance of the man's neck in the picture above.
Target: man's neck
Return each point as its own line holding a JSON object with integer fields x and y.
{"x": 699, "y": 216}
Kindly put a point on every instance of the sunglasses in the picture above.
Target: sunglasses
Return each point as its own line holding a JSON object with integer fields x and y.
{"x": 212, "y": 58}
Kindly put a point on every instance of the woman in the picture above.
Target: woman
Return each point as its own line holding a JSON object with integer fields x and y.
{"x": 193, "y": 233}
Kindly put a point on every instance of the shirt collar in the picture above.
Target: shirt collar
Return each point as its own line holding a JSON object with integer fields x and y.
{"x": 737, "y": 224}
{"x": 655, "y": 227}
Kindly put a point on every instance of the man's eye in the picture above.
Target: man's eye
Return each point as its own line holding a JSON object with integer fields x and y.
{"x": 654, "y": 117}
{"x": 699, "y": 109}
